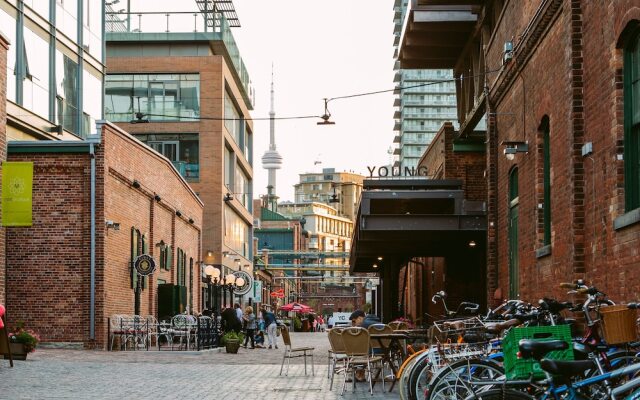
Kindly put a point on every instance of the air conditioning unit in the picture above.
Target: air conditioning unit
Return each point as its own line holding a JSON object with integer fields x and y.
{"x": 256, "y": 223}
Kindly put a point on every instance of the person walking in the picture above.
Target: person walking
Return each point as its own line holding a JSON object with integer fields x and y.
{"x": 330, "y": 322}
{"x": 249, "y": 319}
{"x": 270, "y": 323}
{"x": 238, "y": 311}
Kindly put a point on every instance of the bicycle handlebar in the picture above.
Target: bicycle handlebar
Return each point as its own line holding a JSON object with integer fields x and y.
{"x": 566, "y": 285}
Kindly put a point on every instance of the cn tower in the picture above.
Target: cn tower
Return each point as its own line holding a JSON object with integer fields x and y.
{"x": 272, "y": 160}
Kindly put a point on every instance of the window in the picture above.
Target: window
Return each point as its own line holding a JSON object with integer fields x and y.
{"x": 35, "y": 73}
{"x": 228, "y": 168}
{"x": 138, "y": 247}
{"x": 241, "y": 187}
{"x": 183, "y": 150}
{"x": 546, "y": 168}
{"x": 632, "y": 121}
{"x": 236, "y": 232}
{"x": 67, "y": 92}
{"x": 181, "y": 265}
{"x": 163, "y": 97}
{"x": 233, "y": 119}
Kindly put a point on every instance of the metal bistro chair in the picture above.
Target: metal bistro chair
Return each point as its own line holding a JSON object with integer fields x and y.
{"x": 116, "y": 329}
{"x": 291, "y": 352}
{"x": 158, "y": 331}
{"x": 336, "y": 354}
{"x": 399, "y": 325}
{"x": 181, "y": 329}
{"x": 357, "y": 348}
{"x": 377, "y": 345}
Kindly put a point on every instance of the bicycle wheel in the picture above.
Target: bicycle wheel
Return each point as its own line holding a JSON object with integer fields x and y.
{"x": 405, "y": 372}
{"x": 500, "y": 394}
{"x": 617, "y": 359}
{"x": 455, "y": 381}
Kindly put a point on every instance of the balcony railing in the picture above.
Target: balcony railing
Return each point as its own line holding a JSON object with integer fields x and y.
{"x": 213, "y": 25}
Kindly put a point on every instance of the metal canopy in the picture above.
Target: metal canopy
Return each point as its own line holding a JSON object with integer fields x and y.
{"x": 435, "y": 32}
{"x": 226, "y": 7}
{"x": 430, "y": 219}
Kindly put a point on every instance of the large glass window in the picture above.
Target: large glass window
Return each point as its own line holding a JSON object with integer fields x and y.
{"x": 36, "y": 83}
{"x": 67, "y": 92}
{"x": 92, "y": 23}
{"x": 8, "y": 24}
{"x": 67, "y": 17}
{"x": 39, "y": 6}
{"x": 632, "y": 122}
{"x": 182, "y": 150}
{"x": 92, "y": 96}
{"x": 236, "y": 232}
{"x": 242, "y": 187}
{"x": 233, "y": 121}
{"x": 162, "y": 97}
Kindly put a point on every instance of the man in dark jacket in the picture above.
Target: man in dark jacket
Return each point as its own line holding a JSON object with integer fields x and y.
{"x": 359, "y": 318}
{"x": 230, "y": 321}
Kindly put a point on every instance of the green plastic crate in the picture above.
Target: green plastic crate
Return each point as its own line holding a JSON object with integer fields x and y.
{"x": 516, "y": 368}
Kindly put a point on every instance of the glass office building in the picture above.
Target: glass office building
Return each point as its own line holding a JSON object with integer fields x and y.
{"x": 55, "y": 67}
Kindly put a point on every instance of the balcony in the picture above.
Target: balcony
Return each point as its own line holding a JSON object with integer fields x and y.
{"x": 187, "y": 26}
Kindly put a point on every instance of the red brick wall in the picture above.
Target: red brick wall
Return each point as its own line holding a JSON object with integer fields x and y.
{"x": 53, "y": 256}
{"x": 3, "y": 145}
{"x": 574, "y": 78}
{"x": 48, "y": 263}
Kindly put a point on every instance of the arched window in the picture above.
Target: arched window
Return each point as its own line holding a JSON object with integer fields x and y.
{"x": 546, "y": 180}
{"x": 632, "y": 120}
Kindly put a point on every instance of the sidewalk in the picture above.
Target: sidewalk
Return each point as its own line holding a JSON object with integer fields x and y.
{"x": 212, "y": 374}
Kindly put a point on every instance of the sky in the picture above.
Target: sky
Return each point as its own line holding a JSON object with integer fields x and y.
{"x": 319, "y": 48}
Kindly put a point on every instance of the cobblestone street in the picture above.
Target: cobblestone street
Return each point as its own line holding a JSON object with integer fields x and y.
{"x": 210, "y": 374}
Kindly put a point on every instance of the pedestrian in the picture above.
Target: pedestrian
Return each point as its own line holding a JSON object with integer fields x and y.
{"x": 260, "y": 340}
{"x": 250, "y": 321}
{"x": 238, "y": 311}
{"x": 230, "y": 320}
{"x": 330, "y": 322}
{"x": 272, "y": 325}
{"x": 359, "y": 318}
{"x": 312, "y": 322}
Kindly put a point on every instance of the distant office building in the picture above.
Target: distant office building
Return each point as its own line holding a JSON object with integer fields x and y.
{"x": 340, "y": 190}
{"x": 54, "y": 68}
{"x": 422, "y": 106}
{"x": 188, "y": 95}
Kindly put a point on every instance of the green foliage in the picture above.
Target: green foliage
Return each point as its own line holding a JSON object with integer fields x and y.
{"x": 239, "y": 336}
{"x": 27, "y": 337}
{"x": 297, "y": 323}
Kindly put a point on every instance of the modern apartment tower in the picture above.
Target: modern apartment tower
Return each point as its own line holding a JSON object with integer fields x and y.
{"x": 422, "y": 104}
{"x": 272, "y": 160}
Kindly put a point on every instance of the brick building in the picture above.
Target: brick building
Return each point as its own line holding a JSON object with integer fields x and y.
{"x": 193, "y": 93}
{"x": 556, "y": 80}
{"x": 79, "y": 273}
{"x": 4, "y": 45}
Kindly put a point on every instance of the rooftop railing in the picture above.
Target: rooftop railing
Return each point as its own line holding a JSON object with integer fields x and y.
{"x": 208, "y": 25}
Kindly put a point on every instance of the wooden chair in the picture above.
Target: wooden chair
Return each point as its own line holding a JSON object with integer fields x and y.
{"x": 357, "y": 348}
{"x": 291, "y": 352}
{"x": 336, "y": 354}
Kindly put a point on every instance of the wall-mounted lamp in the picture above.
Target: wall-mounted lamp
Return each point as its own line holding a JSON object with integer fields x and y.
{"x": 513, "y": 147}
{"x": 225, "y": 254}
{"x": 136, "y": 184}
{"x": 191, "y": 221}
{"x": 375, "y": 266}
{"x": 472, "y": 243}
{"x": 157, "y": 197}
{"x": 178, "y": 213}
{"x": 161, "y": 243}
{"x": 228, "y": 197}
{"x": 113, "y": 225}
{"x": 334, "y": 196}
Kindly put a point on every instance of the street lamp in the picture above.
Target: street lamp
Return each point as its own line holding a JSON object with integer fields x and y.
{"x": 213, "y": 281}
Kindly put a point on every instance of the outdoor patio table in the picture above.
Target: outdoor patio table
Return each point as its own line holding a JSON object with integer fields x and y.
{"x": 394, "y": 342}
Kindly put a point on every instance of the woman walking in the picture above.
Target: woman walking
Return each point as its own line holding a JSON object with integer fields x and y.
{"x": 271, "y": 325}
{"x": 249, "y": 319}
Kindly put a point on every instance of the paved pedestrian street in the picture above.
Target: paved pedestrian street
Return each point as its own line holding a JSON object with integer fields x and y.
{"x": 210, "y": 374}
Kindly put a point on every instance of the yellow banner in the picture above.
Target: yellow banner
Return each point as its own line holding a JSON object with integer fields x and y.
{"x": 17, "y": 195}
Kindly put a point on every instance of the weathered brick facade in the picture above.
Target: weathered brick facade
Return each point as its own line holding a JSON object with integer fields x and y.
{"x": 571, "y": 77}
{"x": 4, "y": 45}
{"x": 54, "y": 254}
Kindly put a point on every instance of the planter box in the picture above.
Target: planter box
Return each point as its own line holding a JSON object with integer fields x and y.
{"x": 232, "y": 346}
{"x": 17, "y": 352}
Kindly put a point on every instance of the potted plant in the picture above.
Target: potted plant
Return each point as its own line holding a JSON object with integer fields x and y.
{"x": 22, "y": 342}
{"x": 297, "y": 324}
{"x": 231, "y": 341}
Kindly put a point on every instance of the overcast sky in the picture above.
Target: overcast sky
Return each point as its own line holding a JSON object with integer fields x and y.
{"x": 320, "y": 48}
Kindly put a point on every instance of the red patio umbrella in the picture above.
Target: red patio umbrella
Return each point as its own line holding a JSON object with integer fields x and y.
{"x": 296, "y": 307}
